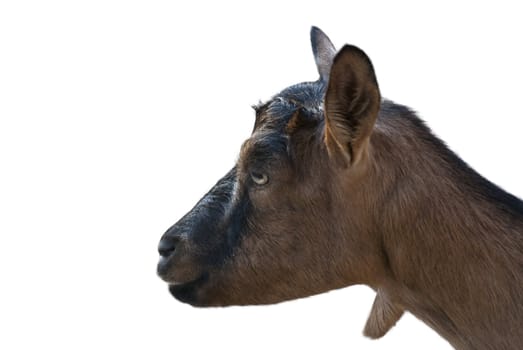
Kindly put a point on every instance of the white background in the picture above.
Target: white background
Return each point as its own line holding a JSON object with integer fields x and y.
{"x": 116, "y": 116}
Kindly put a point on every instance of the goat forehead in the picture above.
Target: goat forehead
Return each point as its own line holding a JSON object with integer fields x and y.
{"x": 263, "y": 146}
{"x": 276, "y": 113}
{"x": 308, "y": 95}
{"x": 270, "y": 135}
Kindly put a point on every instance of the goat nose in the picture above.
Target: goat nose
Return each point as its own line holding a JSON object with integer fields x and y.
{"x": 167, "y": 245}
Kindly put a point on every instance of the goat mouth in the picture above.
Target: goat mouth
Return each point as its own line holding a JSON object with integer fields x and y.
{"x": 188, "y": 292}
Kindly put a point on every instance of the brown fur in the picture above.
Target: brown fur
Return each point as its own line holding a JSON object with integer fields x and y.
{"x": 362, "y": 193}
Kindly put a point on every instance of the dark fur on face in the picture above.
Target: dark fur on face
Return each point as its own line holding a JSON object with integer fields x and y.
{"x": 337, "y": 187}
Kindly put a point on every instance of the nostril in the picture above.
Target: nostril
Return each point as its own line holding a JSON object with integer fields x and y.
{"x": 167, "y": 246}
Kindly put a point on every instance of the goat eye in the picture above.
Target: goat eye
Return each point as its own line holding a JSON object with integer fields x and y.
{"x": 259, "y": 178}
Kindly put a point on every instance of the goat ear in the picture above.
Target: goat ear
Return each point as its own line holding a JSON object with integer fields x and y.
{"x": 324, "y": 52}
{"x": 352, "y": 102}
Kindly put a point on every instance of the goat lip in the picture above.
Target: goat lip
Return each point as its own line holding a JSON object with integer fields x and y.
{"x": 180, "y": 284}
{"x": 173, "y": 282}
{"x": 186, "y": 291}
{"x": 162, "y": 269}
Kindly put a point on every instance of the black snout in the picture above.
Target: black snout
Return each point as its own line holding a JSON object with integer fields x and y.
{"x": 167, "y": 246}
{"x": 199, "y": 237}
{"x": 168, "y": 242}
